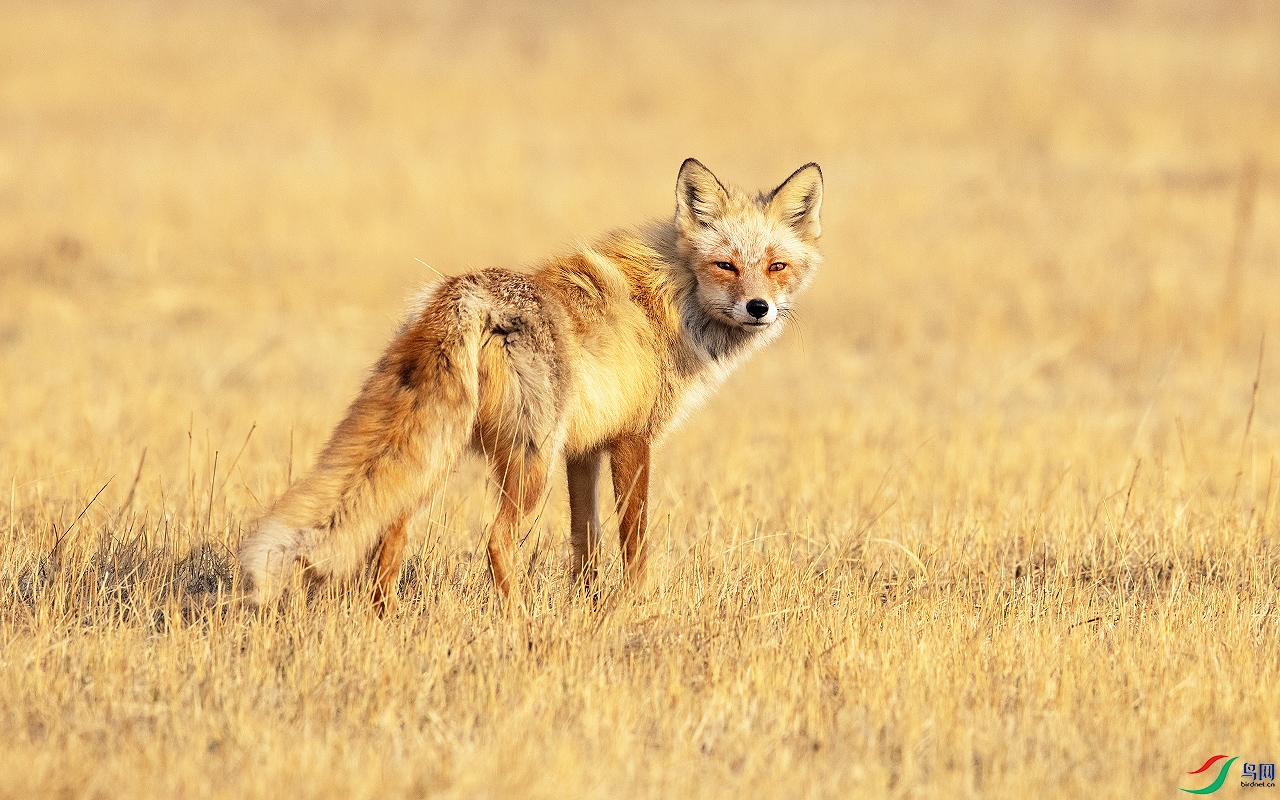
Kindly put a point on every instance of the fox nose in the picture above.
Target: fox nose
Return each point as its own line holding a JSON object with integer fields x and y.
{"x": 757, "y": 307}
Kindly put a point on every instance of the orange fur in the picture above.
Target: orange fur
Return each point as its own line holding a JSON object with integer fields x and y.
{"x": 600, "y": 351}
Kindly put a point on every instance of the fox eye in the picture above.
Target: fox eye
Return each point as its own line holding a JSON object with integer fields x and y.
{"x": 728, "y": 267}
{"x": 777, "y": 266}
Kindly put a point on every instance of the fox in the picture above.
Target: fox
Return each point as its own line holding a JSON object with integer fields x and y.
{"x": 602, "y": 351}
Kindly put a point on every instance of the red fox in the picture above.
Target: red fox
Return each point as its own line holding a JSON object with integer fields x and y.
{"x": 601, "y": 351}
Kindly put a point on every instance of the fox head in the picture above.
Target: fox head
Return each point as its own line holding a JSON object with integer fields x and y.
{"x": 749, "y": 255}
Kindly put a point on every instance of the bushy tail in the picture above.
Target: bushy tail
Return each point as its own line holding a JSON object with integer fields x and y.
{"x": 396, "y": 444}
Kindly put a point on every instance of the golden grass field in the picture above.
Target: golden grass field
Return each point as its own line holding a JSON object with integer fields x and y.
{"x": 997, "y": 518}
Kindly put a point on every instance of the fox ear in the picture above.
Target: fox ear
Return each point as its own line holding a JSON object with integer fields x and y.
{"x": 700, "y": 197}
{"x": 799, "y": 200}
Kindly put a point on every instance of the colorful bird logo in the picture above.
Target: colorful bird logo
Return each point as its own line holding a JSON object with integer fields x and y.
{"x": 1217, "y": 783}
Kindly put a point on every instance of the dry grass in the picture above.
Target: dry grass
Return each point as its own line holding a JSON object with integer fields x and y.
{"x": 998, "y": 518}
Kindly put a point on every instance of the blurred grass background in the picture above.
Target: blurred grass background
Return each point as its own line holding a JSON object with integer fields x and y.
{"x": 1052, "y": 234}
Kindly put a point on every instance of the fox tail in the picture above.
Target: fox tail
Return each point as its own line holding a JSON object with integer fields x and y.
{"x": 398, "y": 441}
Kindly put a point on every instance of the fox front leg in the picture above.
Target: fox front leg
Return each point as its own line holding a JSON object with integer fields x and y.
{"x": 584, "y": 515}
{"x": 629, "y": 463}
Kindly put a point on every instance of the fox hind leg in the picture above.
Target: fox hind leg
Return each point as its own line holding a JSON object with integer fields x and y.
{"x": 520, "y": 424}
{"x": 387, "y": 562}
{"x": 521, "y": 480}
